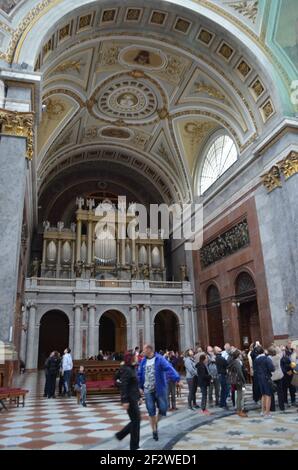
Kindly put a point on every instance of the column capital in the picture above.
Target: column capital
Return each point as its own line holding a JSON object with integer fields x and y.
{"x": 189, "y": 306}
{"x": 92, "y": 306}
{"x": 133, "y": 306}
{"x": 147, "y": 306}
{"x": 77, "y": 306}
{"x": 17, "y": 124}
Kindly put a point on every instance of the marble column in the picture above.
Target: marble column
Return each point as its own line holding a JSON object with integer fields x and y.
{"x": 13, "y": 168}
{"x": 147, "y": 324}
{"x": 23, "y": 347}
{"x": 31, "y": 360}
{"x": 187, "y": 325}
{"x": 77, "y": 332}
{"x": 133, "y": 321}
{"x": 91, "y": 331}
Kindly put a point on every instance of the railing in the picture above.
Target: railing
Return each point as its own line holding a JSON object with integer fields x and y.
{"x": 56, "y": 282}
{"x": 91, "y": 284}
{"x": 165, "y": 285}
{"x": 112, "y": 283}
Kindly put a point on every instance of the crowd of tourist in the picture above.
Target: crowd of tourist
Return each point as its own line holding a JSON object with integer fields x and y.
{"x": 221, "y": 375}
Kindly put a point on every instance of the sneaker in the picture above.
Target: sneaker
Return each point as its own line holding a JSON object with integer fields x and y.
{"x": 155, "y": 435}
{"x": 262, "y": 414}
{"x": 242, "y": 414}
{"x": 196, "y": 407}
{"x": 205, "y": 412}
{"x": 84, "y": 404}
{"x": 191, "y": 408}
{"x": 268, "y": 416}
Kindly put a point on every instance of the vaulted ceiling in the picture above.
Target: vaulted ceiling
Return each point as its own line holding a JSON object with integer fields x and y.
{"x": 145, "y": 85}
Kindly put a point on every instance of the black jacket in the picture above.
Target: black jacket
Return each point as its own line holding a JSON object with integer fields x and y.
{"x": 129, "y": 386}
{"x": 203, "y": 375}
{"x": 53, "y": 365}
{"x": 221, "y": 364}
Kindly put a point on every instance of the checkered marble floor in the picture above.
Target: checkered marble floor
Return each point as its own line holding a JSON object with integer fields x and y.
{"x": 63, "y": 424}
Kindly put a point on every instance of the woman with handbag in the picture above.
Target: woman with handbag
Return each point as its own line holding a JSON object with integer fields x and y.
{"x": 275, "y": 354}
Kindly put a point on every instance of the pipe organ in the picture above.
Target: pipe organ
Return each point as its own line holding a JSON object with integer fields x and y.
{"x": 93, "y": 247}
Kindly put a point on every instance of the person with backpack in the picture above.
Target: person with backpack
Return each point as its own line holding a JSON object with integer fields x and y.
{"x": 236, "y": 379}
{"x": 191, "y": 378}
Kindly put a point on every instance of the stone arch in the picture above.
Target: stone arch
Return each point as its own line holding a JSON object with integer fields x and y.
{"x": 112, "y": 330}
{"x": 54, "y": 330}
{"x": 167, "y": 329}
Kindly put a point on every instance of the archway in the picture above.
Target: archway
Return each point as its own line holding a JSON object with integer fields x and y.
{"x": 53, "y": 334}
{"x": 166, "y": 331}
{"x": 214, "y": 317}
{"x": 112, "y": 332}
{"x": 246, "y": 298}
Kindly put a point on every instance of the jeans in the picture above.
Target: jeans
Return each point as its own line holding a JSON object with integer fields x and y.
{"x": 240, "y": 397}
{"x": 172, "y": 394}
{"x": 204, "y": 396}
{"x": 152, "y": 399}
{"x": 83, "y": 393}
{"x": 215, "y": 384}
{"x": 51, "y": 385}
{"x": 133, "y": 427}
{"x": 280, "y": 396}
{"x": 66, "y": 377}
{"x": 223, "y": 390}
{"x": 192, "y": 386}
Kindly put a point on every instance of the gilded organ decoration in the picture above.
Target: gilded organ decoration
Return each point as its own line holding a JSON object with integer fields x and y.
{"x": 225, "y": 244}
{"x": 92, "y": 246}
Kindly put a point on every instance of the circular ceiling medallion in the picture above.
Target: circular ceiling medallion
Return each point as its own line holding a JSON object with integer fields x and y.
{"x": 128, "y": 99}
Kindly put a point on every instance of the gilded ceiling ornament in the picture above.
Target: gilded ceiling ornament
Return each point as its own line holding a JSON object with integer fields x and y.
{"x": 163, "y": 113}
{"x": 257, "y": 87}
{"x": 140, "y": 139}
{"x": 69, "y": 66}
{"x": 289, "y": 165}
{"x": 205, "y": 36}
{"x": 19, "y": 125}
{"x": 54, "y": 108}
{"x": 196, "y": 131}
{"x": 109, "y": 55}
{"x": 248, "y": 8}
{"x": 267, "y": 110}
{"x": 158, "y": 17}
{"x": 64, "y": 32}
{"x": 175, "y": 69}
{"x": 243, "y": 68}
{"x": 133, "y": 14}
{"x": 271, "y": 179}
{"x": 209, "y": 90}
{"x": 136, "y": 74}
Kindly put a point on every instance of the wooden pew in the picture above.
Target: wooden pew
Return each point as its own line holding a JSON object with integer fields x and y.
{"x": 100, "y": 376}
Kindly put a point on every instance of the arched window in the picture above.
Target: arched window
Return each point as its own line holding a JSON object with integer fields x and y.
{"x": 221, "y": 154}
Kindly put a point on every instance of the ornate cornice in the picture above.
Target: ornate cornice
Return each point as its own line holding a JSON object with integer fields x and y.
{"x": 286, "y": 167}
{"x": 289, "y": 165}
{"x": 18, "y": 124}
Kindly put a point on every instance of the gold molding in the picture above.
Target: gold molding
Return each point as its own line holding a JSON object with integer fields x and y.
{"x": 18, "y": 124}
{"x": 286, "y": 167}
{"x": 289, "y": 165}
{"x": 272, "y": 179}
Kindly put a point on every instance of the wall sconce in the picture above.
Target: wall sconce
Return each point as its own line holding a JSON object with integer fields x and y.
{"x": 290, "y": 308}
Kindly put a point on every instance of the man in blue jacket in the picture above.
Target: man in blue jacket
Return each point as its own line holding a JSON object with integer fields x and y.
{"x": 153, "y": 382}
